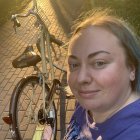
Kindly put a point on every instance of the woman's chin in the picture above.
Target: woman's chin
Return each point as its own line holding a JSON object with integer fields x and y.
{"x": 89, "y": 105}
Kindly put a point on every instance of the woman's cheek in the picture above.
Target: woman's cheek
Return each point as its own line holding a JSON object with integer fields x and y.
{"x": 71, "y": 79}
{"x": 108, "y": 78}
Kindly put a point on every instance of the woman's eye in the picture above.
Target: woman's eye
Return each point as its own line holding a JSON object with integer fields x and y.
{"x": 99, "y": 64}
{"x": 73, "y": 67}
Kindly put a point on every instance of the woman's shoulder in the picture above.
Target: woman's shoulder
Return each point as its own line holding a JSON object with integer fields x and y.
{"x": 131, "y": 133}
{"x": 79, "y": 110}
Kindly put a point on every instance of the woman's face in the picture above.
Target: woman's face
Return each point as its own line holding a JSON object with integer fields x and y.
{"x": 98, "y": 75}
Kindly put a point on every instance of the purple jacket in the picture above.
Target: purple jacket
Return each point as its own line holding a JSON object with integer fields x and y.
{"x": 124, "y": 125}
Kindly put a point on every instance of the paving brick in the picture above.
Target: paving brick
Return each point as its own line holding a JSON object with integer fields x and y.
{"x": 29, "y": 71}
{"x": 3, "y": 135}
{"x": 1, "y": 127}
{"x": 5, "y": 73}
{"x": 6, "y": 100}
{"x": 13, "y": 45}
{"x": 71, "y": 104}
{"x": 10, "y": 91}
{"x": 21, "y": 74}
{"x": 2, "y": 107}
{"x": 5, "y": 127}
{"x": 16, "y": 81}
{"x": 3, "y": 94}
{"x": 1, "y": 77}
{"x": 8, "y": 86}
{"x": 17, "y": 71}
{"x": 68, "y": 116}
{"x": 8, "y": 136}
{"x": 3, "y": 83}
{"x": 7, "y": 107}
{"x": 13, "y": 77}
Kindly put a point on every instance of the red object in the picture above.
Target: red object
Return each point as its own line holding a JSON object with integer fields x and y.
{"x": 7, "y": 120}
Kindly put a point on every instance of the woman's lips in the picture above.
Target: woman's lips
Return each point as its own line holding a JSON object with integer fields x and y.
{"x": 88, "y": 94}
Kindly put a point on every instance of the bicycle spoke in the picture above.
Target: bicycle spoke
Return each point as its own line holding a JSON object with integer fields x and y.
{"x": 30, "y": 115}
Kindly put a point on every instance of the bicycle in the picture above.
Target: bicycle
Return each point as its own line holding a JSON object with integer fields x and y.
{"x": 32, "y": 104}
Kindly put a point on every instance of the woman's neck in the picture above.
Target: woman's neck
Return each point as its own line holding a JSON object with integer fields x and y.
{"x": 100, "y": 117}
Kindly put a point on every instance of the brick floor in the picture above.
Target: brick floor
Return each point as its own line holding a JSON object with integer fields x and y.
{"x": 12, "y": 45}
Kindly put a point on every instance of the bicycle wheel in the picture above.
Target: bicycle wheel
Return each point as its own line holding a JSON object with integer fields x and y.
{"x": 28, "y": 119}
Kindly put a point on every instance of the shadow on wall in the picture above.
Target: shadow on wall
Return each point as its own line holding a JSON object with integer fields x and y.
{"x": 9, "y": 7}
{"x": 67, "y": 11}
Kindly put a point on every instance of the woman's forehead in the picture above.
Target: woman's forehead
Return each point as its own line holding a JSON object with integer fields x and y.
{"x": 89, "y": 41}
{"x": 93, "y": 35}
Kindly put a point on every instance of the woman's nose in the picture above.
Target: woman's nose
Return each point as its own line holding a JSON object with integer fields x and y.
{"x": 84, "y": 76}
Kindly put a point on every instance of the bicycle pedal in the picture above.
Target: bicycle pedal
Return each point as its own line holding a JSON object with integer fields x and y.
{"x": 68, "y": 92}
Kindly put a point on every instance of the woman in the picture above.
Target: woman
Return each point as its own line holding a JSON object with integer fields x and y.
{"x": 104, "y": 76}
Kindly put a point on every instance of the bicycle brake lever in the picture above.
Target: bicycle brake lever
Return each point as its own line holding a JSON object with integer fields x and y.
{"x": 16, "y": 22}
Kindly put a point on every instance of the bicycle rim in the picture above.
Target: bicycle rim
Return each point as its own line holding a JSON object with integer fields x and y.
{"x": 29, "y": 120}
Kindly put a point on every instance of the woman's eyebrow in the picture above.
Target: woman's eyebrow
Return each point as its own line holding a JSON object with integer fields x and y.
{"x": 72, "y": 56}
{"x": 90, "y": 55}
{"x": 97, "y": 53}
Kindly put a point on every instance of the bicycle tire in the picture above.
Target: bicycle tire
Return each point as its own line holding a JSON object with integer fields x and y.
{"x": 22, "y": 128}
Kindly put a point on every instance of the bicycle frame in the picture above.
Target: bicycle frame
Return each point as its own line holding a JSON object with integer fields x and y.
{"x": 43, "y": 58}
{"x": 45, "y": 36}
{"x": 44, "y": 47}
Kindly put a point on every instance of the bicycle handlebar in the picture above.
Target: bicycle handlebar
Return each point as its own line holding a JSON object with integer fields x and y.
{"x": 16, "y": 22}
{"x": 31, "y": 11}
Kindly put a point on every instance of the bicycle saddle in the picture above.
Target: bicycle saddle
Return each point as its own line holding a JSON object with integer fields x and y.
{"x": 27, "y": 58}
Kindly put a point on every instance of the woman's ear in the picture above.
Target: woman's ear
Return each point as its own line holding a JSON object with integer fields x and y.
{"x": 132, "y": 76}
{"x": 132, "y": 73}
